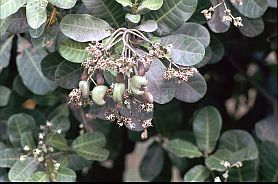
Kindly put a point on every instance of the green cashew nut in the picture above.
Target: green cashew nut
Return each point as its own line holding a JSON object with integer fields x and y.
{"x": 84, "y": 86}
{"x": 118, "y": 91}
{"x": 98, "y": 94}
{"x": 136, "y": 84}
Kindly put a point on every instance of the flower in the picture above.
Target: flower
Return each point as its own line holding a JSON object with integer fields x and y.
{"x": 217, "y": 179}
{"x": 56, "y": 165}
{"x": 22, "y": 158}
{"x": 238, "y": 21}
{"x": 26, "y": 148}
{"x": 227, "y": 18}
{"x": 208, "y": 12}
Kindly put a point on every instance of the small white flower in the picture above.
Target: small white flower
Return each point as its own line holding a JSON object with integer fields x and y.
{"x": 49, "y": 124}
{"x": 51, "y": 149}
{"x": 59, "y": 131}
{"x": 225, "y": 175}
{"x": 217, "y": 179}
{"x": 41, "y": 135}
{"x": 42, "y": 127}
{"x": 40, "y": 142}
{"x": 57, "y": 166}
{"x": 41, "y": 159}
{"x": 227, "y": 18}
{"x": 22, "y": 157}
{"x": 26, "y": 148}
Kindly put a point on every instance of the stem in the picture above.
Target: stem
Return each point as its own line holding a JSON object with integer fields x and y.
{"x": 139, "y": 34}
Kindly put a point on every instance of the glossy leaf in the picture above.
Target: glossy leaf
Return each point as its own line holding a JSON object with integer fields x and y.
{"x": 26, "y": 139}
{"x": 65, "y": 4}
{"x": 172, "y": 15}
{"x": 83, "y": 28}
{"x": 198, "y": 173}
{"x": 29, "y": 67}
{"x": 217, "y": 50}
{"x": 4, "y": 25}
{"x": 207, "y": 125}
{"x": 8, "y": 157}
{"x": 73, "y": 51}
{"x": 186, "y": 51}
{"x": 252, "y": 27}
{"x": 252, "y": 8}
{"x": 39, "y": 176}
{"x": 36, "y": 13}
{"x": 247, "y": 173}
{"x": 58, "y": 141}
{"x": 36, "y": 33}
{"x": 183, "y": 148}
{"x": 214, "y": 160}
{"x": 4, "y": 95}
{"x": 5, "y": 52}
{"x": 125, "y": 2}
{"x": 9, "y": 7}
{"x": 150, "y": 5}
{"x": 66, "y": 175}
{"x": 148, "y": 26}
{"x": 89, "y": 139}
{"x": 133, "y": 18}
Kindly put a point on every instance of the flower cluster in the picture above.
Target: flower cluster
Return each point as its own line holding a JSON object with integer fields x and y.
{"x": 75, "y": 97}
{"x": 237, "y": 21}
{"x": 228, "y": 166}
{"x": 182, "y": 75}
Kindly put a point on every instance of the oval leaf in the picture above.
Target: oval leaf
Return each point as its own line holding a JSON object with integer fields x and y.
{"x": 257, "y": 10}
{"x": 36, "y": 13}
{"x": 182, "y": 148}
{"x": 4, "y": 95}
{"x": 9, "y": 7}
{"x": 8, "y": 157}
{"x": 198, "y": 173}
{"x": 266, "y": 129}
{"x": 5, "y": 52}
{"x": 65, "y": 4}
{"x": 49, "y": 65}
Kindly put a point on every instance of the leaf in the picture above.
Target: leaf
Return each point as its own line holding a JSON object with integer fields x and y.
{"x": 29, "y": 67}
{"x": 216, "y": 23}
{"x": 5, "y": 51}
{"x": 76, "y": 162}
{"x": 66, "y": 175}
{"x": 147, "y": 26}
{"x": 22, "y": 170}
{"x": 93, "y": 153}
{"x": 65, "y": 4}
{"x": 195, "y": 30}
{"x": 186, "y": 51}
{"x": 26, "y": 139}
{"x": 150, "y": 5}
{"x": 266, "y": 129}
{"x": 198, "y": 173}
{"x": 89, "y": 139}
{"x": 214, "y": 160}
{"x": 252, "y": 27}
{"x": 36, "y": 33}
{"x": 83, "y": 28}
{"x": 207, "y": 125}
{"x": 8, "y": 157}
{"x": 39, "y": 176}
{"x": 268, "y": 161}
{"x": 125, "y": 2}
{"x": 172, "y": 15}
{"x": 67, "y": 74}
{"x": 49, "y": 65}
{"x": 133, "y": 18}
{"x": 247, "y": 173}
{"x": 4, "y": 95}
{"x": 4, "y": 25}
{"x": 19, "y": 22}
{"x": 108, "y": 10}
{"x": 206, "y": 59}
{"x": 183, "y": 149}
{"x": 217, "y": 49}
{"x": 17, "y": 125}
{"x": 9, "y": 7}
{"x": 163, "y": 91}
{"x": 152, "y": 164}
{"x": 252, "y": 8}
{"x": 240, "y": 143}
{"x": 60, "y": 123}
{"x": 272, "y": 3}
{"x": 73, "y": 51}
{"x": 36, "y": 13}
{"x": 192, "y": 90}
{"x": 58, "y": 141}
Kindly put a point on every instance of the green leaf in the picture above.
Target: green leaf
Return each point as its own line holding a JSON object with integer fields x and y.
{"x": 58, "y": 141}
{"x": 89, "y": 139}
{"x": 152, "y": 164}
{"x": 5, "y": 51}
{"x": 22, "y": 170}
{"x": 36, "y": 33}
{"x": 268, "y": 161}
{"x": 19, "y": 22}
{"x": 50, "y": 63}
{"x": 9, "y": 7}
{"x": 240, "y": 143}
{"x": 266, "y": 129}
{"x": 150, "y": 5}
{"x": 163, "y": 91}
{"x": 19, "y": 87}
{"x": 108, "y": 10}
{"x": 92, "y": 153}
{"x": 17, "y": 125}
{"x": 133, "y": 18}
{"x": 26, "y": 139}
{"x": 147, "y": 26}
{"x": 36, "y": 13}
{"x": 83, "y": 28}
{"x": 67, "y": 74}
{"x": 39, "y": 176}
{"x": 182, "y": 148}
{"x": 207, "y": 125}
{"x": 186, "y": 51}
{"x": 125, "y": 2}
{"x": 66, "y": 175}
{"x": 76, "y": 162}
{"x": 73, "y": 51}
{"x": 65, "y": 4}
{"x": 192, "y": 90}
{"x": 216, "y": 23}
{"x": 272, "y": 3}
{"x": 252, "y": 27}
{"x": 4, "y": 25}
{"x": 8, "y": 157}
{"x": 4, "y": 95}
{"x": 214, "y": 160}
{"x": 217, "y": 49}
{"x": 29, "y": 67}
{"x": 247, "y": 173}
{"x": 206, "y": 59}
{"x": 172, "y": 15}
{"x": 198, "y": 173}
{"x": 60, "y": 123}
{"x": 195, "y": 30}
{"x": 252, "y": 8}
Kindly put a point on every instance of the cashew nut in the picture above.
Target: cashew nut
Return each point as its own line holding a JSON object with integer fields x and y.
{"x": 118, "y": 91}
{"x": 84, "y": 86}
{"x": 98, "y": 94}
{"x": 136, "y": 84}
